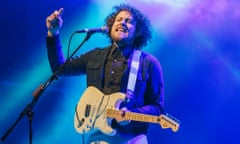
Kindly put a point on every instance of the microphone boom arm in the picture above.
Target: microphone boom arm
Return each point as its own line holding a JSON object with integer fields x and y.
{"x": 38, "y": 92}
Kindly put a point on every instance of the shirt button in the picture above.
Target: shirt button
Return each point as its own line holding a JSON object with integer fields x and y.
{"x": 112, "y": 72}
{"x": 115, "y": 60}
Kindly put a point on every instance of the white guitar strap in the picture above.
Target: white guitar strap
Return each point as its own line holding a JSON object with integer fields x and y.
{"x": 133, "y": 72}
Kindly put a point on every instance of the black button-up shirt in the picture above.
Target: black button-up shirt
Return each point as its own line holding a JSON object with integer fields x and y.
{"x": 115, "y": 66}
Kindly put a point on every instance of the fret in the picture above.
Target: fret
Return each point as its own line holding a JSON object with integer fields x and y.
{"x": 132, "y": 116}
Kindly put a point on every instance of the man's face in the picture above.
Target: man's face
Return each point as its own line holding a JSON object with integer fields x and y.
{"x": 123, "y": 29}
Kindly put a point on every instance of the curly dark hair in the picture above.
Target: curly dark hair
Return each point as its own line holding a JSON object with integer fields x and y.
{"x": 143, "y": 27}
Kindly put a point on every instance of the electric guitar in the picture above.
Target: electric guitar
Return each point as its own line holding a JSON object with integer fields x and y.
{"x": 95, "y": 111}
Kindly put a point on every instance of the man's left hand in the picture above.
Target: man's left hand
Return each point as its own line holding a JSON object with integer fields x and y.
{"x": 122, "y": 119}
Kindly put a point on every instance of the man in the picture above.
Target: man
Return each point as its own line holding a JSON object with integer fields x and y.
{"x": 108, "y": 70}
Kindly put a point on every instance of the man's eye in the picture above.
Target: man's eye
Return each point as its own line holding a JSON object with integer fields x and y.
{"x": 131, "y": 21}
{"x": 118, "y": 19}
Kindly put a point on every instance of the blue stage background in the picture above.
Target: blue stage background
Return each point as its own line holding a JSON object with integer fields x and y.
{"x": 197, "y": 43}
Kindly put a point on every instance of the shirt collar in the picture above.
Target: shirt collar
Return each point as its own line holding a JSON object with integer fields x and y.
{"x": 126, "y": 50}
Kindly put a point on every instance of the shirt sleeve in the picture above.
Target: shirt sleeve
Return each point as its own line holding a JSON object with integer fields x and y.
{"x": 73, "y": 66}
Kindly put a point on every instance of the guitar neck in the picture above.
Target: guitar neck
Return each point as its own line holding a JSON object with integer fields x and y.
{"x": 111, "y": 113}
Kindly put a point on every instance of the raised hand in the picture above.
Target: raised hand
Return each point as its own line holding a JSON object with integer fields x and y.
{"x": 54, "y": 22}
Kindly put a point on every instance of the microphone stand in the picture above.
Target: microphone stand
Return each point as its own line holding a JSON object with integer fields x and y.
{"x": 28, "y": 110}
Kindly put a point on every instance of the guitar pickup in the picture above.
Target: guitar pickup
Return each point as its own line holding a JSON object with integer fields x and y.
{"x": 87, "y": 110}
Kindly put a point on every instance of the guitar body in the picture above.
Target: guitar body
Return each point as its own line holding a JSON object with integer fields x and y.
{"x": 90, "y": 112}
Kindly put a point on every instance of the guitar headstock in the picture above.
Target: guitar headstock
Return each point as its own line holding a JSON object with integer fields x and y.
{"x": 168, "y": 121}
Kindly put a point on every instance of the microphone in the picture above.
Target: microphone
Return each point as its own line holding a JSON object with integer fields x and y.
{"x": 103, "y": 29}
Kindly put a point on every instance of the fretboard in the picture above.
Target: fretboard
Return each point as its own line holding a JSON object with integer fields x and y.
{"x": 111, "y": 113}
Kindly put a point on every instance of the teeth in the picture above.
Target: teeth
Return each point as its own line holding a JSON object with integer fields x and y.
{"x": 122, "y": 29}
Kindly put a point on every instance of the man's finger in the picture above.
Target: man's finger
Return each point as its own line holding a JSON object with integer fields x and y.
{"x": 60, "y": 12}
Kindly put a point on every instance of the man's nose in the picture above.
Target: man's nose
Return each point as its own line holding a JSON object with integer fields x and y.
{"x": 123, "y": 22}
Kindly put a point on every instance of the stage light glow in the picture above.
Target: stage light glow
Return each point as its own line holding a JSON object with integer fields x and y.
{"x": 174, "y": 3}
{"x": 195, "y": 41}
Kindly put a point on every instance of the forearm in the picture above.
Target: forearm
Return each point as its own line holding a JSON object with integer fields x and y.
{"x": 55, "y": 54}
{"x": 155, "y": 107}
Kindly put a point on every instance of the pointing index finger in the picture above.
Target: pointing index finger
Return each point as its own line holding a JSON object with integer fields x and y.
{"x": 60, "y": 12}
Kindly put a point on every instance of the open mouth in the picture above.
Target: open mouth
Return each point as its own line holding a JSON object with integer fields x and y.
{"x": 122, "y": 29}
